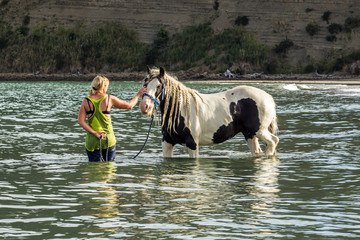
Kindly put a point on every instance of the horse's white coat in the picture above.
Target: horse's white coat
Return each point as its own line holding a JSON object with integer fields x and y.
{"x": 214, "y": 111}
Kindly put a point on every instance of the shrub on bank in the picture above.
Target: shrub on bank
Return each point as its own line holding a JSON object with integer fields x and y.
{"x": 334, "y": 28}
{"x": 49, "y": 50}
{"x": 198, "y": 45}
{"x": 284, "y": 46}
{"x": 351, "y": 23}
{"x": 312, "y": 29}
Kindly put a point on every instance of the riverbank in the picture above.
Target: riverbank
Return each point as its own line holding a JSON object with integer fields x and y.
{"x": 192, "y": 76}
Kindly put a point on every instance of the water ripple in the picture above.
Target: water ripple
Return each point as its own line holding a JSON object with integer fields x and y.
{"x": 310, "y": 190}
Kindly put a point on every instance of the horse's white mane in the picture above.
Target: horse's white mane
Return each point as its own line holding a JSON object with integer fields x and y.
{"x": 181, "y": 98}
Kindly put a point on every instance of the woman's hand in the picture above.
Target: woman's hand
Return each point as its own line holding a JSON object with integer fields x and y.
{"x": 100, "y": 134}
{"x": 141, "y": 92}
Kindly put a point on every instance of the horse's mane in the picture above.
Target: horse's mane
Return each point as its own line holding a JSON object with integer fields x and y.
{"x": 178, "y": 96}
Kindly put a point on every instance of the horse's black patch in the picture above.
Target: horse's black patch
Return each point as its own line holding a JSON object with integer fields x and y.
{"x": 182, "y": 134}
{"x": 245, "y": 117}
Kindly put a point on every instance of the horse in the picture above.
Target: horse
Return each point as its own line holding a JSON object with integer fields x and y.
{"x": 193, "y": 119}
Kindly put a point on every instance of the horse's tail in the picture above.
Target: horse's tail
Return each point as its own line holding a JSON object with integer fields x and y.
{"x": 273, "y": 128}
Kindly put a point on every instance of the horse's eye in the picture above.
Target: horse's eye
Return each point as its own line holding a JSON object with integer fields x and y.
{"x": 158, "y": 87}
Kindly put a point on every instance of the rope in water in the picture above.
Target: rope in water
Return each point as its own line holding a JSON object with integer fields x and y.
{"x": 147, "y": 137}
{"x": 107, "y": 149}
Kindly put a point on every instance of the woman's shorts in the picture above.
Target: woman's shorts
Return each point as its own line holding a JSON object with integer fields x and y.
{"x": 96, "y": 157}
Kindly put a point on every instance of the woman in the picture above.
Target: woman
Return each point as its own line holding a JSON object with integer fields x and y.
{"x": 96, "y": 108}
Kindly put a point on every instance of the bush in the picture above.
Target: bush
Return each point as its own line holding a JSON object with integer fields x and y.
{"x": 334, "y": 28}
{"x": 5, "y": 34}
{"x": 284, "y": 46}
{"x": 23, "y": 30}
{"x": 26, "y": 20}
{"x": 312, "y": 29}
{"x": 241, "y": 20}
{"x": 187, "y": 47}
{"x": 336, "y": 61}
{"x": 4, "y": 2}
{"x": 271, "y": 67}
{"x": 200, "y": 45}
{"x": 351, "y": 23}
{"x": 353, "y": 56}
{"x": 51, "y": 50}
{"x": 216, "y": 5}
{"x": 160, "y": 43}
{"x": 310, "y": 68}
{"x": 162, "y": 38}
{"x": 331, "y": 38}
{"x": 240, "y": 46}
{"x": 357, "y": 71}
{"x": 326, "y": 16}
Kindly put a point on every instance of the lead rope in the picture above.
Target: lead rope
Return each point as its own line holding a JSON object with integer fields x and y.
{"x": 107, "y": 149}
{"x": 147, "y": 137}
{"x": 156, "y": 102}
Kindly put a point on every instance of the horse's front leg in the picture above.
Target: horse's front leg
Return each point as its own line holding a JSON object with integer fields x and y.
{"x": 192, "y": 145}
{"x": 254, "y": 145}
{"x": 167, "y": 149}
{"x": 193, "y": 153}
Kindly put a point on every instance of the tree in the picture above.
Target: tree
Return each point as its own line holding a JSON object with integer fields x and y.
{"x": 312, "y": 29}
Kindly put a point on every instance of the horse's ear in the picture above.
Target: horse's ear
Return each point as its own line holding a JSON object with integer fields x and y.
{"x": 148, "y": 69}
{"x": 162, "y": 72}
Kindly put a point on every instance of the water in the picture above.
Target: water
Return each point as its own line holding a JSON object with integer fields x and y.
{"x": 48, "y": 190}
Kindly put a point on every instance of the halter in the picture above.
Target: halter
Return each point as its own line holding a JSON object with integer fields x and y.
{"x": 156, "y": 101}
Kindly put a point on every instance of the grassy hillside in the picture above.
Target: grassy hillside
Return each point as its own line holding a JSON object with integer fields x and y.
{"x": 110, "y": 47}
{"x": 33, "y": 41}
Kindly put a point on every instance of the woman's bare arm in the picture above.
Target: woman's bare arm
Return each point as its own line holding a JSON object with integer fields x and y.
{"x": 118, "y": 103}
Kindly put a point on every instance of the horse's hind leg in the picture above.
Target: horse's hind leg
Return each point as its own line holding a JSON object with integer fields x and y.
{"x": 167, "y": 149}
{"x": 270, "y": 139}
{"x": 254, "y": 145}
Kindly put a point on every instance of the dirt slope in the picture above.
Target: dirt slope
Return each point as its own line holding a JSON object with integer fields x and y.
{"x": 271, "y": 20}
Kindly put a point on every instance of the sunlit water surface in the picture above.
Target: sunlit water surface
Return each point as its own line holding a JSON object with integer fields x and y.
{"x": 48, "y": 190}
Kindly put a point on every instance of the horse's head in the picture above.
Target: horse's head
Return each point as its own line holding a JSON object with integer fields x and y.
{"x": 154, "y": 81}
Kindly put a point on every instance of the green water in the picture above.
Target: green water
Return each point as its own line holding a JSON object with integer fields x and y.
{"x": 48, "y": 190}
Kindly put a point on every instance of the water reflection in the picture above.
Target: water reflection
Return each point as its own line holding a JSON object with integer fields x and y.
{"x": 175, "y": 196}
{"x": 264, "y": 187}
{"x": 100, "y": 196}
{"x": 264, "y": 184}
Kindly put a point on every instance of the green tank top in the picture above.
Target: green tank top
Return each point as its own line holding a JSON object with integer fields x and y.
{"x": 99, "y": 122}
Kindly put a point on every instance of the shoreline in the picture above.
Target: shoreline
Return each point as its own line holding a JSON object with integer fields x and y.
{"x": 191, "y": 76}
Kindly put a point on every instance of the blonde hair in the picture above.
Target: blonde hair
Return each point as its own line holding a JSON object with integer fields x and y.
{"x": 98, "y": 83}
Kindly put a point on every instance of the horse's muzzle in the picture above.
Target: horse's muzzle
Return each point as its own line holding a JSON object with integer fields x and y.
{"x": 146, "y": 107}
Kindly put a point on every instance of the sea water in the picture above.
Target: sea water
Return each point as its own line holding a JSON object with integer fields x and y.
{"x": 48, "y": 189}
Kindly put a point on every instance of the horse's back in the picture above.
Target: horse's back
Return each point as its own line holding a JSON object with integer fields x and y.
{"x": 257, "y": 94}
{"x": 264, "y": 101}
{"x": 222, "y": 101}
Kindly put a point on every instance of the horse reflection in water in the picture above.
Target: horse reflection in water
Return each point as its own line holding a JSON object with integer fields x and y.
{"x": 265, "y": 186}
{"x": 236, "y": 194}
{"x": 193, "y": 119}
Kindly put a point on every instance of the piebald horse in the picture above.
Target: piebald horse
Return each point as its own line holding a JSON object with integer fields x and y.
{"x": 193, "y": 119}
